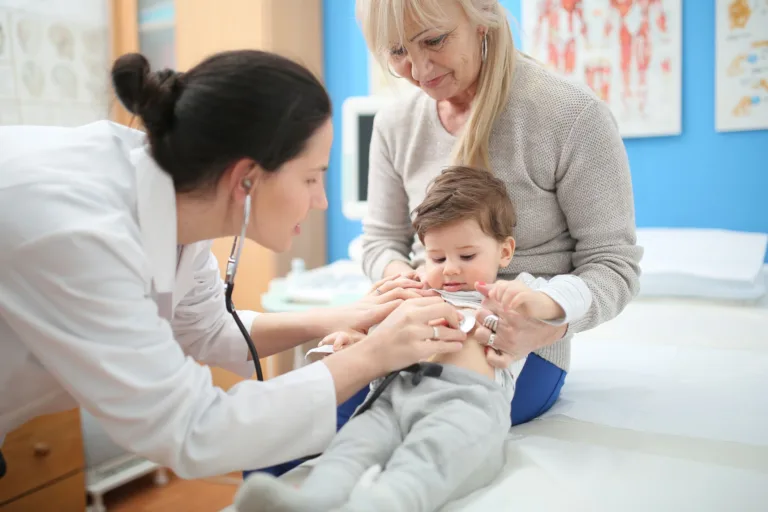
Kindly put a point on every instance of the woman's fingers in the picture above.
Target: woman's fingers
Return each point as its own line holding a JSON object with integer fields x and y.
{"x": 493, "y": 309}
{"x": 482, "y": 334}
{"x": 434, "y": 308}
{"x": 400, "y": 294}
{"x": 498, "y": 359}
{"x": 381, "y": 282}
{"x": 400, "y": 282}
{"x": 443, "y": 333}
{"x": 396, "y": 294}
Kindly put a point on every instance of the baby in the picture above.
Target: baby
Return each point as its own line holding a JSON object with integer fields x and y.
{"x": 426, "y": 441}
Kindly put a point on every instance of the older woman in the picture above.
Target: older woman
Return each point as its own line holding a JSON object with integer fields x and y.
{"x": 553, "y": 142}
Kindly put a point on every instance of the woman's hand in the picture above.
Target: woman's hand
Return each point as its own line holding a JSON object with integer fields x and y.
{"x": 383, "y": 297}
{"x": 409, "y": 281}
{"x": 415, "y": 331}
{"x": 401, "y": 269}
{"x": 516, "y": 335}
{"x": 497, "y": 358}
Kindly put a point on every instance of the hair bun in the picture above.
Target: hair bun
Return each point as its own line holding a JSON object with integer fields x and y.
{"x": 150, "y": 95}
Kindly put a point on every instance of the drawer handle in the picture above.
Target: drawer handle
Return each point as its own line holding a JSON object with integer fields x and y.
{"x": 41, "y": 449}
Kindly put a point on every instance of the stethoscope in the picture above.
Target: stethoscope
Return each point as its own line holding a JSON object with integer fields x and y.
{"x": 229, "y": 286}
{"x": 229, "y": 280}
{"x": 419, "y": 370}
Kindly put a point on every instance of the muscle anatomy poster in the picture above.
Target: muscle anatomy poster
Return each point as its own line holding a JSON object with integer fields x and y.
{"x": 742, "y": 65}
{"x": 628, "y": 52}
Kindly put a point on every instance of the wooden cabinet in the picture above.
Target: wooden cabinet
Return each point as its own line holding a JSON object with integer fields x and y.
{"x": 292, "y": 28}
{"x": 45, "y": 465}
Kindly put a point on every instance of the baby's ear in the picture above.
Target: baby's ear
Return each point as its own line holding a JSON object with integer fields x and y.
{"x": 507, "y": 250}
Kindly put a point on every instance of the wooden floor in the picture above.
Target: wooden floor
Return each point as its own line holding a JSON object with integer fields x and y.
{"x": 142, "y": 495}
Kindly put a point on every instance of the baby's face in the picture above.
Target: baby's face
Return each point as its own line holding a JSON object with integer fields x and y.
{"x": 460, "y": 254}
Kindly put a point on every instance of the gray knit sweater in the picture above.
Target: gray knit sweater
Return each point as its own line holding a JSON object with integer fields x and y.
{"x": 558, "y": 148}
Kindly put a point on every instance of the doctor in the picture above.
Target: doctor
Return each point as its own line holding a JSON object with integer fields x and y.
{"x": 108, "y": 287}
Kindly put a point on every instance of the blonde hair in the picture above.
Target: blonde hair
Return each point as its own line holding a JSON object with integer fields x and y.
{"x": 381, "y": 20}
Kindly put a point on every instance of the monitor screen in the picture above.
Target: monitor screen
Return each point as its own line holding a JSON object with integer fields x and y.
{"x": 356, "y": 132}
{"x": 365, "y": 129}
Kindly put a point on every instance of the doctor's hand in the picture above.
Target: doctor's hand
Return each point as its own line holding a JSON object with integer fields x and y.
{"x": 409, "y": 283}
{"x": 381, "y": 300}
{"x": 415, "y": 331}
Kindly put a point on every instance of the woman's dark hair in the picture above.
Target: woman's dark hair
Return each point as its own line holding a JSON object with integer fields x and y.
{"x": 233, "y": 105}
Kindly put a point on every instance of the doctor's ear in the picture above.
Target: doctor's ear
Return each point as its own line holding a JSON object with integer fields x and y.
{"x": 243, "y": 178}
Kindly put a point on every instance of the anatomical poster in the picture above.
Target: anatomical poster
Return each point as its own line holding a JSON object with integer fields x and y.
{"x": 54, "y": 62}
{"x": 628, "y": 52}
{"x": 741, "y": 99}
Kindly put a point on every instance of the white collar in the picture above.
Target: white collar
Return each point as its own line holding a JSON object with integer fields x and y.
{"x": 471, "y": 299}
{"x": 156, "y": 205}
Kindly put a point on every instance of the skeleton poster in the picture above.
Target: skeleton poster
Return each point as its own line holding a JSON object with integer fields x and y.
{"x": 627, "y": 51}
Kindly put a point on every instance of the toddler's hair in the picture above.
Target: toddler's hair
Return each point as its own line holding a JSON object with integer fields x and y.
{"x": 461, "y": 193}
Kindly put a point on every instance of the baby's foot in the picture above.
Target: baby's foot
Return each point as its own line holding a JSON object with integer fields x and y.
{"x": 262, "y": 492}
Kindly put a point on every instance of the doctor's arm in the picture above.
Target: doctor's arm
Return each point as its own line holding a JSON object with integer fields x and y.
{"x": 208, "y": 333}
{"x": 78, "y": 301}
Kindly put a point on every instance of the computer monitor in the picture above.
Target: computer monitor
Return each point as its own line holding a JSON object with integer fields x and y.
{"x": 357, "y": 114}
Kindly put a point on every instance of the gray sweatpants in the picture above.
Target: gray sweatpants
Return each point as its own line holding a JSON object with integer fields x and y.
{"x": 436, "y": 441}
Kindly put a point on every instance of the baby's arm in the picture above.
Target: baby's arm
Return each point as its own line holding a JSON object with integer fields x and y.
{"x": 560, "y": 300}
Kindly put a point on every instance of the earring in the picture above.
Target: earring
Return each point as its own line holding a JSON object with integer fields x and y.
{"x": 484, "y": 47}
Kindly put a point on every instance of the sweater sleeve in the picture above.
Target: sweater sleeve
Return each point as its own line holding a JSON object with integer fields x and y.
{"x": 387, "y": 229}
{"x": 569, "y": 291}
{"x": 594, "y": 189}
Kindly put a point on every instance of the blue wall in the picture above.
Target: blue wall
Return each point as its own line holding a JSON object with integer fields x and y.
{"x": 700, "y": 178}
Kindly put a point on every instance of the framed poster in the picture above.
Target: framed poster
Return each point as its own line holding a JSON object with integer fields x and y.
{"x": 54, "y": 62}
{"x": 629, "y": 52}
{"x": 741, "y": 53}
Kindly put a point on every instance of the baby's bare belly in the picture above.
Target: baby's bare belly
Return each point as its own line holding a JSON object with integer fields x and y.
{"x": 471, "y": 356}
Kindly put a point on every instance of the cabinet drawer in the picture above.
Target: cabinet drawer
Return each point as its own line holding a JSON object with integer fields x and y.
{"x": 67, "y": 495}
{"x": 42, "y": 450}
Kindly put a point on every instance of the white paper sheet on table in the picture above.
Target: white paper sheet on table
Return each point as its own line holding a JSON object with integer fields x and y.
{"x": 696, "y": 392}
{"x": 705, "y": 253}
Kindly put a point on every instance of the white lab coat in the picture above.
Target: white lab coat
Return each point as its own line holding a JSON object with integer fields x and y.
{"x": 88, "y": 268}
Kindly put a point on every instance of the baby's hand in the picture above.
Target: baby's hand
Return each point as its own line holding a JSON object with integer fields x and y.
{"x": 517, "y": 296}
{"x": 504, "y": 292}
{"x": 341, "y": 339}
